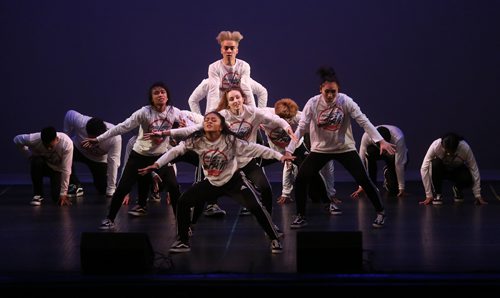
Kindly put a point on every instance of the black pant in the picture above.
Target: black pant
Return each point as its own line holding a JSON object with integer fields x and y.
{"x": 390, "y": 178}
{"x": 350, "y": 161}
{"x": 40, "y": 169}
{"x": 460, "y": 176}
{"x": 99, "y": 171}
{"x": 238, "y": 187}
{"x": 130, "y": 176}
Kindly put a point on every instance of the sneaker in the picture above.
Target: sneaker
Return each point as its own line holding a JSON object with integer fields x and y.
{"x": 138, "y": 210}
{"x": 334, "y": 209}
{"x": 213, "y": 210}
{"x": 245, "y": 211}
{"x": 74, "y": 191}
{"x": 36, "y": 201}
{"x": 299, "y": 222}
{"x": 276, "y": 247}
{"x": 107, "y": 224}
{"x": 155, "y": 197}
{"x": 190, "y": 232}
{"x": 180, "y": 246}
{"x": 379, "y": 221}
{"x": 437, "y": 200}
{"x": 457, "y": 194}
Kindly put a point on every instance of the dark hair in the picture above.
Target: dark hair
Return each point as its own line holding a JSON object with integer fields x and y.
{"x": 162, "y": 85}
{"x": 95, "y": 127}
{"x": 450, "y": 141}
{"x": 327, "y": 74}
{"x": 48, "y": 135}
{"x": 385, "y": 133}
{"x": 225, "y": 129}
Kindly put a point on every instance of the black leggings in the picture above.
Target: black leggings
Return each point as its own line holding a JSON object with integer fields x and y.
{"x": 238, "y": 187}
{"x": 130, "y": 176}
{"x": 460, "y": 176}
{"x": 350, "y": 161}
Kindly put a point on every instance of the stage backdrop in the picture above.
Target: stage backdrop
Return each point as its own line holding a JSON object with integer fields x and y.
{"x": 426, "y": 66}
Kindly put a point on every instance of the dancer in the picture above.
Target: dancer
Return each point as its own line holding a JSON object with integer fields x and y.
{"x": 327, "y": 117}
{"x": 222, "y": 154}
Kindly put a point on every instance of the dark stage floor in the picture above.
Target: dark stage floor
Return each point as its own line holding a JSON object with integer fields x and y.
{"x": 454, "y": 244}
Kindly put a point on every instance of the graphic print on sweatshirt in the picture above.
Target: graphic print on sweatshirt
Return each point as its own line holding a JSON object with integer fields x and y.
{"x": 229, "y": 80}
{"x": 159, "y": 125}
{"x": 331, "y": 118}
{"x": 214, "y": 162}
{"x": 242, "y": 129}
{"x": 279, "y": 137}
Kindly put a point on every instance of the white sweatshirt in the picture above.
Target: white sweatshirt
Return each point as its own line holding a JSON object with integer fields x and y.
{"x": 463, "y": 156}
{"x": 329, "y": 125}
{"x": 201, "y": 92}
{"x": 149, "y": 120}
{"x": 223, "y": 76}
{"x": 108, "y": 151}
{"x": 59, "y": 158}
{"x": 401, "y": 156}
{"x": 222, "y": 158}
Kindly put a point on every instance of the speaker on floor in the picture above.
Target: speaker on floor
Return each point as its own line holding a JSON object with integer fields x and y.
{"x": 116, "y": 253}
{"x": 329, "y": 252}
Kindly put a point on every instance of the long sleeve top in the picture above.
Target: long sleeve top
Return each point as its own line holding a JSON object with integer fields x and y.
{"x": 148, "y": 120}
{"x": 329, "y": 124}
{"x": 221, "y": 75}
{"x": 276, "y": 134}
{"x": 401, "y": 156}
{"x": 201, "y": 92}
{"x": 245, "y": 125}
{"x": 221, "y": 158}
{"x": 108, "y": 151}
{"x": 59, "y": 158}
{"x": 463, "y": 156}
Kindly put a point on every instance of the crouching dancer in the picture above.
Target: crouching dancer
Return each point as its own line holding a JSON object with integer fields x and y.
{"x": 220, "y": 153}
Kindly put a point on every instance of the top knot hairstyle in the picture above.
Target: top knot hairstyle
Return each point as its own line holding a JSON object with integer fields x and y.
{"x": 228, "y": 35}
{"x": 327, "y": 74}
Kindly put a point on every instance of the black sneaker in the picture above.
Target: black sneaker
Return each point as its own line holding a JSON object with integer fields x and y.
{"x": 36, "y": 201}
{"x": 107, "y": 224}
{"x": 74, "y": 191}
{"x": 138, "y": 210}
{"x": 379, "y": 220}
{"x": 457, "y": 194}
{"x": 299, "y": 222}
{"x": 276, "y": 247}
{"x": 213, "y": 210}
{"x": 438, "y": 200}
{"x": 333, "y": 209}
{"x": 245, "y": 211}
{"x": 180, "y": 246}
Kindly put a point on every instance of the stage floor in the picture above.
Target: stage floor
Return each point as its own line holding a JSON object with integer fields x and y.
{"x": 457, "y": 243}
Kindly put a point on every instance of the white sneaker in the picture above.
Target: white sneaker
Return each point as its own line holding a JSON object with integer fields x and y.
{"x": 36, "y": 201}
